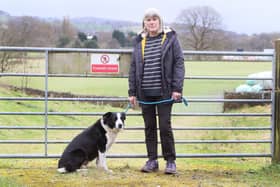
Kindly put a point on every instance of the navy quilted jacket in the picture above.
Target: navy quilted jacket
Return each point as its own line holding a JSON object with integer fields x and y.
{"x": 172, "y": 65}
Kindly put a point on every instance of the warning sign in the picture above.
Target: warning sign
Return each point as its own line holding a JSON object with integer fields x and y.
{"x": 105, "y": 63}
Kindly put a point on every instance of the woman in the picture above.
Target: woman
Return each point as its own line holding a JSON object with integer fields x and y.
{"x": 157, "y": 73}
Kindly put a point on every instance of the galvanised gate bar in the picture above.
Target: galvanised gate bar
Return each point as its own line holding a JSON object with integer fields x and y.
{"x": 274, "y": 140}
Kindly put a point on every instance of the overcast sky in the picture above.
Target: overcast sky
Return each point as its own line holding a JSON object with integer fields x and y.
{"x": 241, "y": 16}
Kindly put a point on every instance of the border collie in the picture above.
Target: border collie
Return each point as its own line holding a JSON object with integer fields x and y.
{"x": 92, "y": 143}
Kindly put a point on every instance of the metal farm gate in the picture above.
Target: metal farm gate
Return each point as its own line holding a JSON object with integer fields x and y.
{"x": 46, "y": 128}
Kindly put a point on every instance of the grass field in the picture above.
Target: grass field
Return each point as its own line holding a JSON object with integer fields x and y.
{"x": 118, "y": 87}
{"x": 192, "y": 172}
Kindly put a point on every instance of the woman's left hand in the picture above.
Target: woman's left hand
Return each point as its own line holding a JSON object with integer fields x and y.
{"x": 176, "y": 96}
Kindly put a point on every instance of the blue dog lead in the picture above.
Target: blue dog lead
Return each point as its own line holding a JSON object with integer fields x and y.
{"x": 157, "y": 102}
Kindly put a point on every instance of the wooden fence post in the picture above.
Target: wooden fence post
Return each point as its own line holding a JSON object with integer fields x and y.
{"x": 276, "y": 146}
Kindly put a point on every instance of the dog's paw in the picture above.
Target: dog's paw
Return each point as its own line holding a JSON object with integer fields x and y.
{"x": 61, "y": 170}
{"x": 84, "y": 167}
{"x": 109, "y": 171}
{"x": 99, "y": 166}
{"x": 82, "y": 170}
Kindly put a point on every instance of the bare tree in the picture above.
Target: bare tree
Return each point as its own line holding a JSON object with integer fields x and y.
{"x": 68, "y": 33}
{"x": 6, "y": 39}
{"x": 202, "y": 24}
{"x": 105, "y": 40}
{"x": 25, "y": 31}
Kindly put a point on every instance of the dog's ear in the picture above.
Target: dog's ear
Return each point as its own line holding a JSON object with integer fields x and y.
{"x": 123, "y": 116}
{"x": 106, "y": 117}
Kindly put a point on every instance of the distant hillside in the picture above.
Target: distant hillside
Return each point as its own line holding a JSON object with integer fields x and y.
{"x": 4, "y": 16}
{"x": 92, "y": 24}
{"x": 103, "y": 28}
{"x": 89, "y": 24}
{"x": 3, "y": 13}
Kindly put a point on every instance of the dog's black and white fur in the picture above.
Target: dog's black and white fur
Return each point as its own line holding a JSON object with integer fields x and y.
{"x": 92, "y": 143}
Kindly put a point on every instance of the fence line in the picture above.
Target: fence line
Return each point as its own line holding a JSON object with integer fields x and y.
{"x": 135, "y": 128}
{"x": 46, "y": 113}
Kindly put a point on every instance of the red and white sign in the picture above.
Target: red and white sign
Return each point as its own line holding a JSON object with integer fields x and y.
{"x": 105, "y": 63}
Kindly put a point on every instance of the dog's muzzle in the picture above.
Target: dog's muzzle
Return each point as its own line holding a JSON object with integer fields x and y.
{"x": 120, "y": 126}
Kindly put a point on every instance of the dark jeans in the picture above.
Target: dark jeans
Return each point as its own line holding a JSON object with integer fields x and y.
{"x": 166, "y": 134}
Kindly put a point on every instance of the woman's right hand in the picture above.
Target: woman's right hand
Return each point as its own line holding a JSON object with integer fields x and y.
{"x": 132, "y": 100}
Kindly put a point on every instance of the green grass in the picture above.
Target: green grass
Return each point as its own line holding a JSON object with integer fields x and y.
{"x": 191, "y": 172}
{"x": 132, "y": 121}
{"x": 118, "y": 87}
{"x": 221, "y": 68}
{"x": 217, "y": 87}
{"x": 8, "y": 182}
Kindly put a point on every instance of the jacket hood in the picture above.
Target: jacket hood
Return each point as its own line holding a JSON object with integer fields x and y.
{"x": 165, "y": 30}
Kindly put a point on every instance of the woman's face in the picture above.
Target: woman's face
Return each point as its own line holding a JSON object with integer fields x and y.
{"x": 152, "y": 25}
